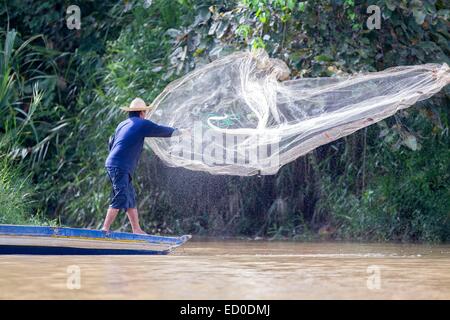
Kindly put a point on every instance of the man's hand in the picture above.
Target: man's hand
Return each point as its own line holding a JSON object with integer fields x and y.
{"x": 183, "y": 132}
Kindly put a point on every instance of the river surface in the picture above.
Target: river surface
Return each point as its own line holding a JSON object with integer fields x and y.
{"x": 237, "y": 270}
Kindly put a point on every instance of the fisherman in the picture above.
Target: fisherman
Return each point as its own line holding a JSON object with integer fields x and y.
{"x": 125, "y": 149}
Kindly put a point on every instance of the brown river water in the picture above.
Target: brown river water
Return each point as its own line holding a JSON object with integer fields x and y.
{"x": 237, "y": 270}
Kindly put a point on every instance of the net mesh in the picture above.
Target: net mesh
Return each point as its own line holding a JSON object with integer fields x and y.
{"x": 245, "y": 118}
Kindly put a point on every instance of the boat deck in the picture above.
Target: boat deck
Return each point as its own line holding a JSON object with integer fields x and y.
{"x": 74, "y": 241}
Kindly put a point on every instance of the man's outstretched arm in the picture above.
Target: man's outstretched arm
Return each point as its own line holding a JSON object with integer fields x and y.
{"x": 152, "y": 129}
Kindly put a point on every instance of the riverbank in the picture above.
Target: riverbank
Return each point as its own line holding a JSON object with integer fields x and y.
{"x": 64, "y": 87}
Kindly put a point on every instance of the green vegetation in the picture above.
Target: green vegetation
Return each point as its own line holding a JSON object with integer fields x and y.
{"x": 60, "y": 90}
{"x": 14, "y": 197}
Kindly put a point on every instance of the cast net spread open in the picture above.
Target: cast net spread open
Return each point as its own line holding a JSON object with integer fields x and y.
{"x": 246, "y": 120}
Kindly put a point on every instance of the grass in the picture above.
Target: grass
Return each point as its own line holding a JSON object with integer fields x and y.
{"x": 16, "y": 201}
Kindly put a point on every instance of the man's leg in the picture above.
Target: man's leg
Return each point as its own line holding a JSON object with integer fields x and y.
{"x": 111, "y": 215}
{"x": 132, "y": 214}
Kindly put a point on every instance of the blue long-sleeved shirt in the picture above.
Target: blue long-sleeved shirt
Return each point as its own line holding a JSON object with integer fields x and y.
{"x": 129, "y": 142}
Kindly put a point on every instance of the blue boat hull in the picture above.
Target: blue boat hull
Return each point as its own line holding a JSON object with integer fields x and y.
{"x": 73, "y": 241}
{"x": 68, "y": 251}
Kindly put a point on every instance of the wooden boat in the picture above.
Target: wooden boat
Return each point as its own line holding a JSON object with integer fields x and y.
{"x": 16, "y": 239}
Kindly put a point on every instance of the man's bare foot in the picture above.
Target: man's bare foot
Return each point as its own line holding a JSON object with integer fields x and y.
{"x": 140, "y": 231}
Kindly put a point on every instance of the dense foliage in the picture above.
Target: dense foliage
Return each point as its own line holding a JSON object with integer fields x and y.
{"x": 60, "y": 90}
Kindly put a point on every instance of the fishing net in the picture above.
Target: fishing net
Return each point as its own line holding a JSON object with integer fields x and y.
{"x": 245, "y": 119}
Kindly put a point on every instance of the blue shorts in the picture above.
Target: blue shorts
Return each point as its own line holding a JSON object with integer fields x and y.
{"x": 123, "y": 195}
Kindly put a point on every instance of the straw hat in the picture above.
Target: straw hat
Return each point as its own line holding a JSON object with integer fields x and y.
{"x": 137, "y": 105}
